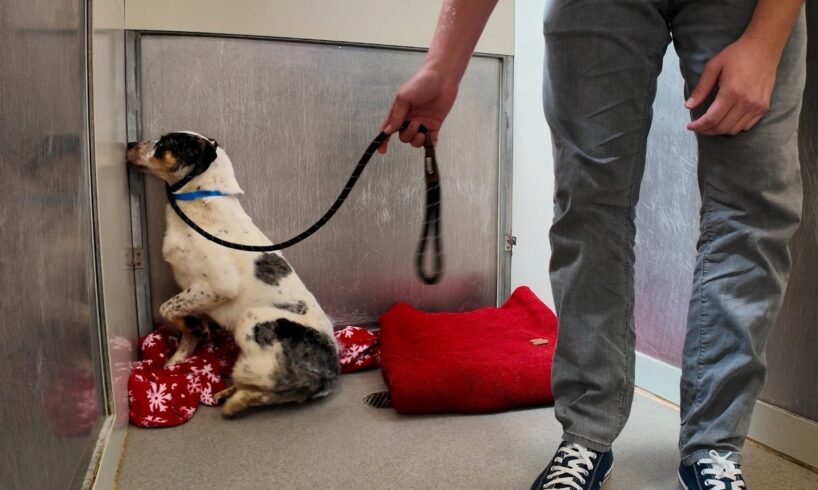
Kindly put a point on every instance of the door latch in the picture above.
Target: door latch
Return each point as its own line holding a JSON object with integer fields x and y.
{"x": 135, "y": 258}
{"x": 510, "y": 241}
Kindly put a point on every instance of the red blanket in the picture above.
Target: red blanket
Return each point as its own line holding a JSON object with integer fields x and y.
{"x": 485, "y": 360}
{"x": 357, "y": 349}
{"x": 164, "y": 397}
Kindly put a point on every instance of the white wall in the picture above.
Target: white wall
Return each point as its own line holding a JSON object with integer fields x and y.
{"x": 533, "y": 163}
{"x": 357, "y": 21}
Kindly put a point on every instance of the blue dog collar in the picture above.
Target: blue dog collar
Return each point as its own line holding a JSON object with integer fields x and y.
{"x": 191, "y": 196}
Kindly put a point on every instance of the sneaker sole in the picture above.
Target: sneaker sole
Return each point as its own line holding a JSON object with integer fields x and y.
{"x": 681, "y": 482}
{"x": 606, "y": 477}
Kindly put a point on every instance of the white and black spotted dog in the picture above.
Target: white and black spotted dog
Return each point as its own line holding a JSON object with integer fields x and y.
{"x": 288, "y": 351}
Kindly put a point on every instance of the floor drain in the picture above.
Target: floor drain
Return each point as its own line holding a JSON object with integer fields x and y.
{"x": 379, "y": 399}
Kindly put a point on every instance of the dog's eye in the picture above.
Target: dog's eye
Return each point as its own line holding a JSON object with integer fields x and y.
{"x": 161, "y": 146}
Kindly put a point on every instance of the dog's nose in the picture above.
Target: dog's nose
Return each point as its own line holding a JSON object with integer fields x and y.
{"x": 131, "y": 144}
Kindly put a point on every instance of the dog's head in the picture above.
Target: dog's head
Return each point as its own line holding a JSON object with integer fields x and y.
{"x": 174, "y": 155}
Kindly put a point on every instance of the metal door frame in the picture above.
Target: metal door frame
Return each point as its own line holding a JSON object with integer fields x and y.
{"x": 136, "y": 182}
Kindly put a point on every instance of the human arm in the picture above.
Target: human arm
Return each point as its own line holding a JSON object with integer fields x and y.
{"x": 429, "y": 95}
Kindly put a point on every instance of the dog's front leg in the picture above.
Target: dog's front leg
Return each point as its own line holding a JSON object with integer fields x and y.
{"x": 198, "y": 298}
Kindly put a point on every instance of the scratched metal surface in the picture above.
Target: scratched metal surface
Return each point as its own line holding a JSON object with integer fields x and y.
{"x": 792, "y": 352}
{"x": 667, "y": 220}
{"x": 295, "y": 118}
{"x": 48, "y": 326}
{"x": 667, "y": 223}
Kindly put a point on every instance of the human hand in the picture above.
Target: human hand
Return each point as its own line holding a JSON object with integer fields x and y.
{"x": 745, "y": 74}
{"x": 426, "y": 99}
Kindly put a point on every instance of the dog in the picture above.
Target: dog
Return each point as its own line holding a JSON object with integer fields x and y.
{"x": 288, "y": 350}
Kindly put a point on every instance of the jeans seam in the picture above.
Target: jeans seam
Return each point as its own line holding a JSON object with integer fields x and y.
{"x": 708, "y": 233}
{"x": 628, "y": 214}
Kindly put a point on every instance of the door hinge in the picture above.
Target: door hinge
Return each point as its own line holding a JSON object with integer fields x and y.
{"x": 135, "y": 258}
{"x": 510, "y": 241}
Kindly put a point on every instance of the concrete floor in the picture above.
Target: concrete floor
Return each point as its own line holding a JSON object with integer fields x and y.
{"x": 339, "y": 443}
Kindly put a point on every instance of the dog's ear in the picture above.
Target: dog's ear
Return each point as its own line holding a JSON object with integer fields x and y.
{"x": 195, "y": 150}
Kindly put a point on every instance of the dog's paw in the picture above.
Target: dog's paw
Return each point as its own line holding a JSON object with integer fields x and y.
{"x": 233, "y": 407}
{"x": 225, "y": 393}
{"x": 166, "y": 310}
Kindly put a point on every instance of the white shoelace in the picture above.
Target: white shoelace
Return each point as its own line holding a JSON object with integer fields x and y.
{"x": 721, "y": 468}
{"x": 578, "y": 467}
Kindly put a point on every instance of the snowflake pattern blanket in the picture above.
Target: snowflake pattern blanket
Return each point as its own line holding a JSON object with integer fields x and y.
{"x": 358, "y": 349}
{"x": 165, "y": 397}
{"x": 485, "y": 360}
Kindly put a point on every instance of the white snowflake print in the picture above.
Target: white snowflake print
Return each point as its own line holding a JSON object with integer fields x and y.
{"x": 131, "y": 397}
{"x": 155, "y": 420}
{"x": 151, "y": 340}
{"x": 210, "y": 349}
{"x": 157, "y": 396}
{"x": 222, "y": 363}
{"x": 206, "y": 396}
{"x": 350, "y": 353}
{"x": 139, "y": 378}
{"x": 362, "y": 360}
{"x": 206, "y": 371}
{"x": 194, "y": 384}
{"x": 188, "y": 411}
{"x": 347, "y": 332}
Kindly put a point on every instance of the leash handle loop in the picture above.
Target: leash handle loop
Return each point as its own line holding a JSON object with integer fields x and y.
{"x": 432, "y": 219}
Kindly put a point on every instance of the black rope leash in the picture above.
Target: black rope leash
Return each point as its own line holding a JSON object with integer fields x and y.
{"x": 431, "y": 231}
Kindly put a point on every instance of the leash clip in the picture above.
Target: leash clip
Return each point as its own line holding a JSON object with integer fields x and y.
{"x": 430, "y": 162}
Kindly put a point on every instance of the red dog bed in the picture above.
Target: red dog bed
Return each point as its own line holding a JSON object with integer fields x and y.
{"x": 485, "y": 360}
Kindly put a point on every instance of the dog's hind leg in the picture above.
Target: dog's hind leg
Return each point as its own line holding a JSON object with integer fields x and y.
{"x": 246, "y": 397}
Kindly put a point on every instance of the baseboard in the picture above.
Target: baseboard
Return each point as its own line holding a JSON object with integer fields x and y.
{"x": 785, "y": 432}
{"x": 110, "y": 447}
{"x": 658, "y": 377}
{"x": 773, "y": 427}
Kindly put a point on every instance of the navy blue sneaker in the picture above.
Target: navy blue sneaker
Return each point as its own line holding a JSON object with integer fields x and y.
{"x": 713, "y": 473}
{"x": 575, "y": 467}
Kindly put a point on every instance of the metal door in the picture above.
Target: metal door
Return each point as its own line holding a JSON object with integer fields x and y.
{"x": 51, "y": 402}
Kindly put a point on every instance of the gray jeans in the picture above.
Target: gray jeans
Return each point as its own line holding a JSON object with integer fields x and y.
{"x": 602, "y": 61}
